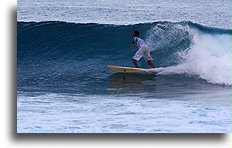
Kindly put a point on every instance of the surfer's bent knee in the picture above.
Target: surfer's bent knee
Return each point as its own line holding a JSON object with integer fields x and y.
{"x": 134, "y": 59}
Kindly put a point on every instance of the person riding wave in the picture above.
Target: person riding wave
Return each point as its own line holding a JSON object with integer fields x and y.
{"x": 143, "y": 50}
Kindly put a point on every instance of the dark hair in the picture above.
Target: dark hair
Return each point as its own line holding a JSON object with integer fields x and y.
{"x": 136, "y": 33}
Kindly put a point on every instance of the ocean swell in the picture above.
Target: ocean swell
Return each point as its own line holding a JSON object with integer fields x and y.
{"x": 61, "y": 49}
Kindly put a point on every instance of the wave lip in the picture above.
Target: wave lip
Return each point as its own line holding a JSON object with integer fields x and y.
{"x": 208, "y": 57}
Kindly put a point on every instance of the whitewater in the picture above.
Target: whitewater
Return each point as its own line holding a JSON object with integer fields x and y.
{"x": 208, "y": 56}
{"x": 64, "y": 85}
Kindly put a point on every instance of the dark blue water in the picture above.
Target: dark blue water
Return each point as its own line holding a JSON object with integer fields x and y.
{"x": 59, "y": 54}
{"x": 62, "y": 78}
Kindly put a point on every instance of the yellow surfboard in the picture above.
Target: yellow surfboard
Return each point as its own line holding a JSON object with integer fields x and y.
{"x": 126, "y": 69}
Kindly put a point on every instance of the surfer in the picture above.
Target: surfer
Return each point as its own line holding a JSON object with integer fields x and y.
{"x": 143, "y": 50}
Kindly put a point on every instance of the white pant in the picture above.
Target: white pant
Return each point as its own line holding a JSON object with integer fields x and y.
{"x": 143, "y": 51}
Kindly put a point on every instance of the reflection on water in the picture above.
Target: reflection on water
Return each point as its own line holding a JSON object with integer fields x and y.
{"x": 131, "y": 83}
{"x": 160, "y": 86}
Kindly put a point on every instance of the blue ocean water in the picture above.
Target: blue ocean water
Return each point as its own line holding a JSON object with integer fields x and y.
{"x": 64, "y": 86}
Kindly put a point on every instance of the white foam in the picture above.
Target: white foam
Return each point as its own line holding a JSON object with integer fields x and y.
{"x": 209, "y": 58}
{"x": 76, "y": 113}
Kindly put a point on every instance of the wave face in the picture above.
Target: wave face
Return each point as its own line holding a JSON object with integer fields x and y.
{"x": 59, "y": 49}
